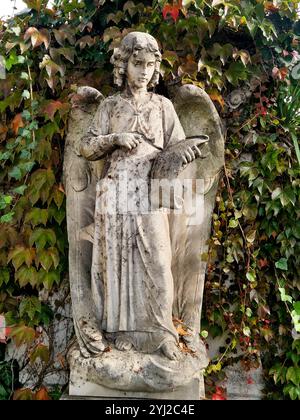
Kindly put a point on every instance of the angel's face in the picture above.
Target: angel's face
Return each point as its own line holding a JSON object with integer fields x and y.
{"x": 140, "y": 69}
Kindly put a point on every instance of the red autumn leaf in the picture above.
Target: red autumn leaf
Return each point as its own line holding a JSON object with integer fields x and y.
{"x": 51, "y": 108}
{"x": 262, "y": 263}
{"x": 42, "y": 395}
{"x": 263, "y": 111}
{"x": 280, "y": 74}
{"x": 283, "y": 73}
{"x": 250, "y": 381}
{"x": 3, "y": 131}
{"x": 219, "y": 395}
{"x": 7, "y": 331}
{"x": 17, "y": 123}
{"x": 172, "y": 11}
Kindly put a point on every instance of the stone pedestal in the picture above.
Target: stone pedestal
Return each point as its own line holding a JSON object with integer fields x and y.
{"x": 132, "y": 375}
{"x": 79, "y": 388}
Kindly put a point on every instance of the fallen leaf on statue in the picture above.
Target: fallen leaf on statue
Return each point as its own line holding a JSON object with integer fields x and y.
{"x": 181, "y": 331}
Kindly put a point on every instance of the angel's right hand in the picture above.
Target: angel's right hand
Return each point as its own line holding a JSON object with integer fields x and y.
{"x": 190, "y": 154}
{"x": 128, "y": 140}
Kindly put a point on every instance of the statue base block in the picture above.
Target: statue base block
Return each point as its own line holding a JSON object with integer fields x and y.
{"x": 130, "y": 374}
{"x": 84, "y": 389}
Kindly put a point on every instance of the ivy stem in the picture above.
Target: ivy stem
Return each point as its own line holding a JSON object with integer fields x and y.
{"x": 247, "y": 122}
{"x": 31, "y": 97}
{"x": 225, "y": 352}
{"x": 240, "y": 226}
{"x": 286, "y": 305}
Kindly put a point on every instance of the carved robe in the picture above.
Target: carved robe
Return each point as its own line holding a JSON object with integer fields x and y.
{"x": 132, "y": 282}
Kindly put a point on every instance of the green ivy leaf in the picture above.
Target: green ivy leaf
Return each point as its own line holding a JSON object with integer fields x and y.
{"x": 40, "y": 352}
{"x": 26, "y": 94}
{"x": 293, "y": 375}
{"x": 283, "y": 296}
{"x": 22, "y": 335}
{"x": 5, "y": 200}
{"x": 15, "y": 173}
{"x": 20, "y": 190}
{"x": 251, "y": 276}
{"x": 7, "y": 218}
{"x": 236, "y": 72}
{"x": 49, "y": 278}
{"x": 233, "y": 223}
{"x": 276, "y": 193}
{"x": 40, "y": 237}
{"x": 249, "y": 312}
{"x": 59, "y": 215}
{"x": 204, "y": 334}
{"x": 282, "y": 264}
{"x": 48, "y": 258}
{"x": 4, "y": 276}
{"x": 250, "y": 236}
{"x": 30, "y": 306}
{"x": 58, "y": 197}
{"x": 41, "y": 183}
{"x": 21, "y": 255}
{"x": 27, "y": 275}
{"x": 247, "y": 331}
{"x": 37, "y": 216}
{"x": 297, "y": 307}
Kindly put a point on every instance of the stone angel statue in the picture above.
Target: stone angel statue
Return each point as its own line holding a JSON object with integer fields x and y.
{"x": 136, "y": 271}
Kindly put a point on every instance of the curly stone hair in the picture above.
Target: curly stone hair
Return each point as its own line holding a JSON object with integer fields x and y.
{"x": 132, "y": 44}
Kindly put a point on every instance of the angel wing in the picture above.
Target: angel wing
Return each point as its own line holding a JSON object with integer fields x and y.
{"x": 190, "y": 231}
{"x": 80, "y": 177}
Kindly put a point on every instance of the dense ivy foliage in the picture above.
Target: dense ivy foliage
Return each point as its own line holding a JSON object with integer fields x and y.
{"x": 244, "y": 54}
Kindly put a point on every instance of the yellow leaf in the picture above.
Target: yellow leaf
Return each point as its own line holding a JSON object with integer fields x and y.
{"x": 23, "y": 394}
{"x": 181, "y": 331}
{"x": 217, "y": 97}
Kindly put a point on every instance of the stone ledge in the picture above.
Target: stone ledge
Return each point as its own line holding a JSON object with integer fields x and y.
{"x": 86, "y": 390}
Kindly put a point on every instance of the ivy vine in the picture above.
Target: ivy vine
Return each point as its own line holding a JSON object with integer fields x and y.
{"x": 245, "y": 54}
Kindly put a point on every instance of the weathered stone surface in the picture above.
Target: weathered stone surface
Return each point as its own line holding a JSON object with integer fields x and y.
{"x": 133, "y": 272}
{"x": 244, "y": 385}
{"x": 132, "y": 371}
{"x": 79, "y": 388}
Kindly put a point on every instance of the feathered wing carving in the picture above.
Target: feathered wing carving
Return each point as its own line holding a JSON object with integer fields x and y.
{"x": 80, "y": 178}
{"x": 189, "y": 237}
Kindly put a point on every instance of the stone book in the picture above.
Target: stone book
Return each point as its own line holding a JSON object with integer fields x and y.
{"x": 169, "y": 163}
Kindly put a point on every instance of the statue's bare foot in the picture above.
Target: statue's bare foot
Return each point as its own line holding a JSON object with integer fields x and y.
{"x": 123, "y": 343}
{"x": 171, "y": 351}
{"x": 93, "y": 336}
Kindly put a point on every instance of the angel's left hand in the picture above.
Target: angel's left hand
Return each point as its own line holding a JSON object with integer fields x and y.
{"x": 190, "y": 154}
